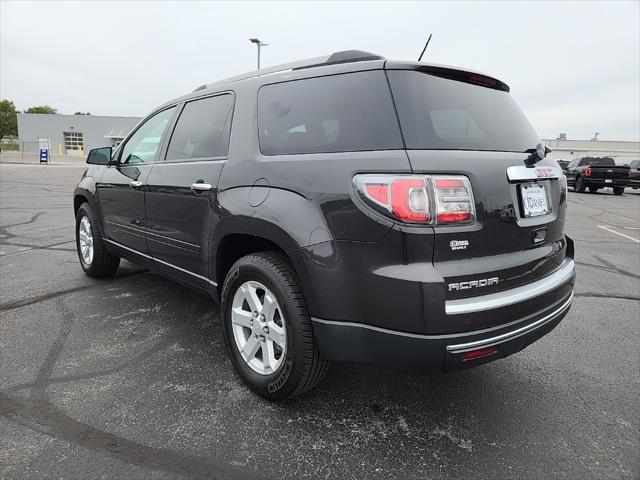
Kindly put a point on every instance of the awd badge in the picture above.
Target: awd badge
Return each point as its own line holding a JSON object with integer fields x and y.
{"x": 458, "y": 244}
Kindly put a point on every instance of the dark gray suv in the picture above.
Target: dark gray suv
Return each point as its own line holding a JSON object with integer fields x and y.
{"x": 344, "y": 208}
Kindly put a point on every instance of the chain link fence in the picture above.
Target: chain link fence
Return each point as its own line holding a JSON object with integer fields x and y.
{"x": 15, "y": 150}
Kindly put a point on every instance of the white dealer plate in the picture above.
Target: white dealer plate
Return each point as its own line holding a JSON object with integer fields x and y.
{"x": 535, "y": 200}
{"x": 608, "y": 180}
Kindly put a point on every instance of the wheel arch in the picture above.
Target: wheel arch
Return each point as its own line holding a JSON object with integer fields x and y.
{"x": 84, "y": 192}
{"x": 79, "y": 197}
{"x": 240, "y": 236}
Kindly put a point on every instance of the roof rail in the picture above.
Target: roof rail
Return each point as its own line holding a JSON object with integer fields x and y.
{"x": 346, "y": 56}
{"x": 335, "y": 58}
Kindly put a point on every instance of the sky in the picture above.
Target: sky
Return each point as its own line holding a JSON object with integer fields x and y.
{"x": 574, "y": 67}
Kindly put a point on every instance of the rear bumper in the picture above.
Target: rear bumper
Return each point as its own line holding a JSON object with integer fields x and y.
{"x": 350, "y": 342}
{"x": 515, "y": 295}
{"x": 600, "y": 182}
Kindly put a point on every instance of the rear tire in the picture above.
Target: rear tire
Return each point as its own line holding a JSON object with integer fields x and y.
{"x": 578, "y": 185}
{"x": 618, "y": 190}
{"x": 252, "y": 284}
{"x": 94, "y": 258}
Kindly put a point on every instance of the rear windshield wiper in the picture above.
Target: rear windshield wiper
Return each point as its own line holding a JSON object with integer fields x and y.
{"x": 536, "y": 154}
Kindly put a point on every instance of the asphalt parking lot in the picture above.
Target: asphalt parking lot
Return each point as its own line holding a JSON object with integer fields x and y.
{"x": 127, "y": 378}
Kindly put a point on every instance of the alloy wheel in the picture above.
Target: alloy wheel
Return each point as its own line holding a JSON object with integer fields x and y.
{"x": 85, "y": 237}
{"x": 259, "y": 328}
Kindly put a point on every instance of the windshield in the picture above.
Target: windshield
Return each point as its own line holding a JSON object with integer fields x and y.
{"x": 442, "y": 114}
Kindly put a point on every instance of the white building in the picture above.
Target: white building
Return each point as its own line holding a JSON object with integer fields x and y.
{"x": 71, "y": 134}
{"x": 621, "y": 152}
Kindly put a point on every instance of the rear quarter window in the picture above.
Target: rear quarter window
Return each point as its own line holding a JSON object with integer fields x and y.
{"x": 202, "y": 131}
{"x": 338, "y": 113}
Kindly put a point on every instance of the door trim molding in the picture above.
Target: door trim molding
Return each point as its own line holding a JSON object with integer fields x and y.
{"x": 137, "y": 252}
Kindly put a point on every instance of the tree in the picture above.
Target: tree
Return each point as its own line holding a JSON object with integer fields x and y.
{"x": 41, "y": 109}
{"x": 8, "y": 119}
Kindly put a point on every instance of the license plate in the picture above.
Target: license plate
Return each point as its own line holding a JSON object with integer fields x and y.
{"x": 608, "y": 180}
{"x": 535, "y": 200}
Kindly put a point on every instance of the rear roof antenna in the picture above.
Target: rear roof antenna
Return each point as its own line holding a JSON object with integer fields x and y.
{"x": 425, "y": 47}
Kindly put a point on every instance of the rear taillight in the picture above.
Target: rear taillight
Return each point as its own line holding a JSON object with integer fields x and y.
{"x": 402, "y": 197}
{"x": 454, "y": 201}
{"x": 423, "y": 199}
{"x": 587, "y": 172}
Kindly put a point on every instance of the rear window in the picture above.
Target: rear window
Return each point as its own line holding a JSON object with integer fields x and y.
{"x": 597, "y": 161}
{"x": 442, "y": 114}
{"x": 339, "y": 113}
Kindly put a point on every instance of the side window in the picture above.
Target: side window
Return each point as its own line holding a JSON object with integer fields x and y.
{"x": 337, "y": 113}
{"x": 143, "y": 145}
{"x": 202, "y": 131}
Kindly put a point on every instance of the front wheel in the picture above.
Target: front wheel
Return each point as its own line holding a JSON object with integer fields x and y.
{"x": 267, "y": 328}
{"x": 95, "y": 260}
{"x": 618, "y": 190}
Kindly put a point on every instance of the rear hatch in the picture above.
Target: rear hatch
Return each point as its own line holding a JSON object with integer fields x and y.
{"x": 460, "y": 123}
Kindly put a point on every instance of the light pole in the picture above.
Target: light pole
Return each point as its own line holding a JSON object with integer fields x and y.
{"x": 258, "y": 44}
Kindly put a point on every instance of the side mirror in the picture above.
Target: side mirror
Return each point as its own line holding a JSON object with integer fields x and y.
{"x": 99, "y": 156}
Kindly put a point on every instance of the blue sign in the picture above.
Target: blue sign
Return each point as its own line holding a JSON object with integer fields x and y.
{"x": 44, "y": 155}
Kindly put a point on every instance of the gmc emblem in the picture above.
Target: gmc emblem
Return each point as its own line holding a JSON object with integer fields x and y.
{"x": 544, "y": 172}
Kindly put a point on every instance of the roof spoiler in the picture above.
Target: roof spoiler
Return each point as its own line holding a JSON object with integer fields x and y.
{"x": 464, "y": 76}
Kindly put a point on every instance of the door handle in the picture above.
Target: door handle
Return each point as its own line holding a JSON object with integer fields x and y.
{"x": 135, "y": 184}
{"x": 200, "y": 187}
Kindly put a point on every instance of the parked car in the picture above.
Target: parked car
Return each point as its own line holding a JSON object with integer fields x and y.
{"x": 343, "y": 208}
{"x": 563, "y": 164}
{"x": 595, "y": 173}
{"x": 634, "y": 174}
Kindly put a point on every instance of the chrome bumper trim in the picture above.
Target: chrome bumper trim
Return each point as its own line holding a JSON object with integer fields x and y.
{"x": 505, "y": 337}
{"x": 515, "y": 295}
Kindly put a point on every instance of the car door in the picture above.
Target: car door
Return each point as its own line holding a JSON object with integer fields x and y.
{"x": 182, "y": 189}
{"x": 121, "y": 188}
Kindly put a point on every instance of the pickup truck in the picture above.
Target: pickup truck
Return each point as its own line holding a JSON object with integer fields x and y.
{"x": 595, "y": 173}
{"x": 563, "y": 163}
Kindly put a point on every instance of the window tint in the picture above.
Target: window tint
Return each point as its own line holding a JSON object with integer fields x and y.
{"x": 202, "y": 131}
{"x": 456, "y": 125}
{"x": 597, "y": 161}
{"x": 443, "y": 114}
{"x": 142, "y": 146}
{"x": 339, "y": 113}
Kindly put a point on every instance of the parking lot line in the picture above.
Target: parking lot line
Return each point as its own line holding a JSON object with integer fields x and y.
{"x": 611, "y": 230}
